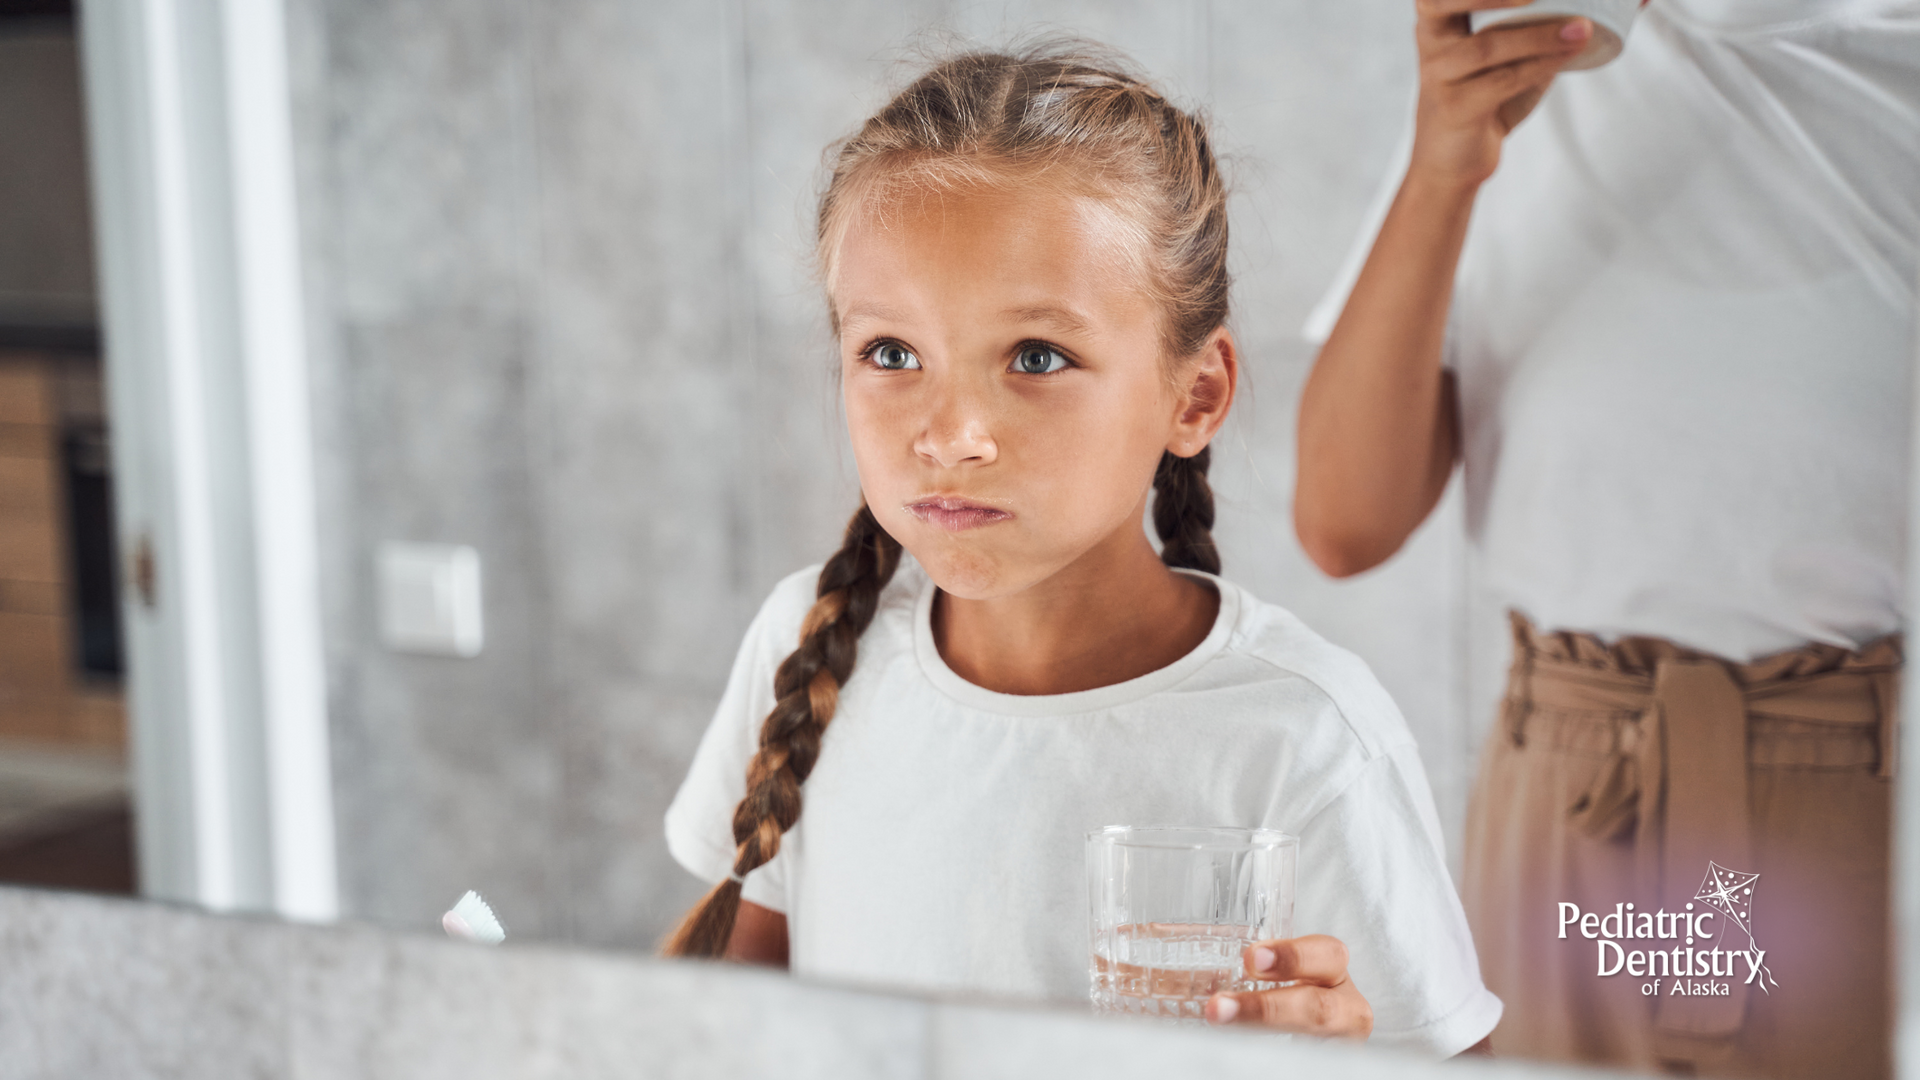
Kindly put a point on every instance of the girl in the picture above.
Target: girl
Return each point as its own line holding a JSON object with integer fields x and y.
{"x": 1025, "y": 263}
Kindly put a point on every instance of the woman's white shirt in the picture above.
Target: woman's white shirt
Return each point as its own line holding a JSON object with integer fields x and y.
{"x": 1683, "y": 330}
{"x": 941, "y": 846}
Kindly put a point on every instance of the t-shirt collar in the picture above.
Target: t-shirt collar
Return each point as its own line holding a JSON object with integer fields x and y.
{"x": 1086, "y": 701}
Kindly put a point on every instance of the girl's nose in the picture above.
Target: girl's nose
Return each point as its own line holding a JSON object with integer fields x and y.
{"x": 956, "y": 434}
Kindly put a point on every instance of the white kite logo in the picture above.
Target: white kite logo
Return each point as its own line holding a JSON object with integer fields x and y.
{"x": 1688, "y": 946}
{"x": 1731, "y": 893}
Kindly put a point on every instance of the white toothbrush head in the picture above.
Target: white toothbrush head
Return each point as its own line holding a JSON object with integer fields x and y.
{"x": 472, "y": 920}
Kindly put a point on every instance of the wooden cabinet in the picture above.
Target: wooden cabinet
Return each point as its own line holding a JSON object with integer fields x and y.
{"x": 46, "y": 695}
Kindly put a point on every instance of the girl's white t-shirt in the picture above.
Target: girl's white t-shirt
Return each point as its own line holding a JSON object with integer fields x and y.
{"x": 1683, "y": 329}
{"x": 941, "y": 847}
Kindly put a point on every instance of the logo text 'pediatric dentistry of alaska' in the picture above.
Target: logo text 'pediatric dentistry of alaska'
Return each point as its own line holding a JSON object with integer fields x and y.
{"x": 1697, "y": 935}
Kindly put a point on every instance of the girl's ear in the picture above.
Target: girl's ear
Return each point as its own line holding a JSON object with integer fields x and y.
{"x": 1207, "y": 384}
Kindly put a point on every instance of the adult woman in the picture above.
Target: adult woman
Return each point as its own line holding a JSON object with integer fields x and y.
{"x": 1671, "y": 345}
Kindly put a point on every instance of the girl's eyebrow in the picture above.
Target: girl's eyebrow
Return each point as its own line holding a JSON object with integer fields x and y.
{"x": 861, "y": 313}
{"x": 1062, "y": 319}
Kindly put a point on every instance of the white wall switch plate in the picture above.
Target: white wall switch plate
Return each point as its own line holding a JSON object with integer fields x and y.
{"x": 430, "y": 599}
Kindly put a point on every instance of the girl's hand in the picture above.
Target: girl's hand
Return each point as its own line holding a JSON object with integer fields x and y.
{"x": 1475, "y": 88}
{"x": 1322, "y": 1000}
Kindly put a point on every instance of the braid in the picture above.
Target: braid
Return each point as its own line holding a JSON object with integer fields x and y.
{"x": 806, "y": 689}
{"x": 1183, "y": 512}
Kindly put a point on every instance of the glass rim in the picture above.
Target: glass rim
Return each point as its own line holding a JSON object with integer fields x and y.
{"x": 1193, "y": 837}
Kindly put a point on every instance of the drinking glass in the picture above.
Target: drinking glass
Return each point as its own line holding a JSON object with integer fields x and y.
{"x": 1173, "y": 908}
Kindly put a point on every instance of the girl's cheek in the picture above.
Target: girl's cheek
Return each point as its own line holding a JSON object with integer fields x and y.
{"x": 874, "y": 413}
{"x": 885, "y": 461}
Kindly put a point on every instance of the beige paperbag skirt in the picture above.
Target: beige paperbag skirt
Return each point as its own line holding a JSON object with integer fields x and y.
{"x": 1643, "y": 773}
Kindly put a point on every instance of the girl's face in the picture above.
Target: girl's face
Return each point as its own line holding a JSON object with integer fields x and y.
{"x": 1005, "y": 385}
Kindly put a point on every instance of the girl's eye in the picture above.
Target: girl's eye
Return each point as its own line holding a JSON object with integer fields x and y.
{"x": 1039, "y": 360}
{"x": 894, "y": 357}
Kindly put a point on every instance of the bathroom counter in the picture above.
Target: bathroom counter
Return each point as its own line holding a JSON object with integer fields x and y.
{"x": 98, "y": 987}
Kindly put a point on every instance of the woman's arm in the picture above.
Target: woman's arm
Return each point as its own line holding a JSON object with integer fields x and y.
{"x": 1379, "y": 422}
{"x": 759, "y": 936}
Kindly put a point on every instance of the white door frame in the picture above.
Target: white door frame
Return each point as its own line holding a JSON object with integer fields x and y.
{"x": 192, "y": 158}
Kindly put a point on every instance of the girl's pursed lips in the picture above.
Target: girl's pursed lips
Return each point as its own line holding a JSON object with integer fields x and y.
{"x": 954, "y": 513}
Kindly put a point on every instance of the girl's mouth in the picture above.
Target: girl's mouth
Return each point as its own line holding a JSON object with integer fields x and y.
{"x": 955, "y": 514}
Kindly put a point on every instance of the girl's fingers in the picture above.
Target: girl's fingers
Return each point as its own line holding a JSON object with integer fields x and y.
{"x": 1315, "y": 958}
{"x": 1336, "y": 1012}
{"x": 1472, "y": 56}
{"x": 1322, "y": 1001}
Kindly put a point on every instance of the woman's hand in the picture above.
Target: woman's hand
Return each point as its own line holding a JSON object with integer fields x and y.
{"x": 1322, "y": 1000}
{"x": 1475, "y": 88}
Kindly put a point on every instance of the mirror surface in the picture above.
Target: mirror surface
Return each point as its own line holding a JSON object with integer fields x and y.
{"x": 573, "y": 414}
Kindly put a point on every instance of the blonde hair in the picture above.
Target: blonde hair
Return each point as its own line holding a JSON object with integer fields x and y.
{"x": 1050, "y": 114}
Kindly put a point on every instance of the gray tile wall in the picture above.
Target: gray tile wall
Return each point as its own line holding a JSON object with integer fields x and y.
{"x": 141, "y": 991}
{"x": 562, "y": 312}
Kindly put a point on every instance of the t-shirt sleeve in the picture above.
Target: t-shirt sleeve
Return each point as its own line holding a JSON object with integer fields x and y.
{"x": 699, "y": 823}
{"x": 1373, "y": 874}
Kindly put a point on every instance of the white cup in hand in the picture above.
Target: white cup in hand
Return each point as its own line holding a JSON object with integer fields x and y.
{"x": 1611, "y": 20}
